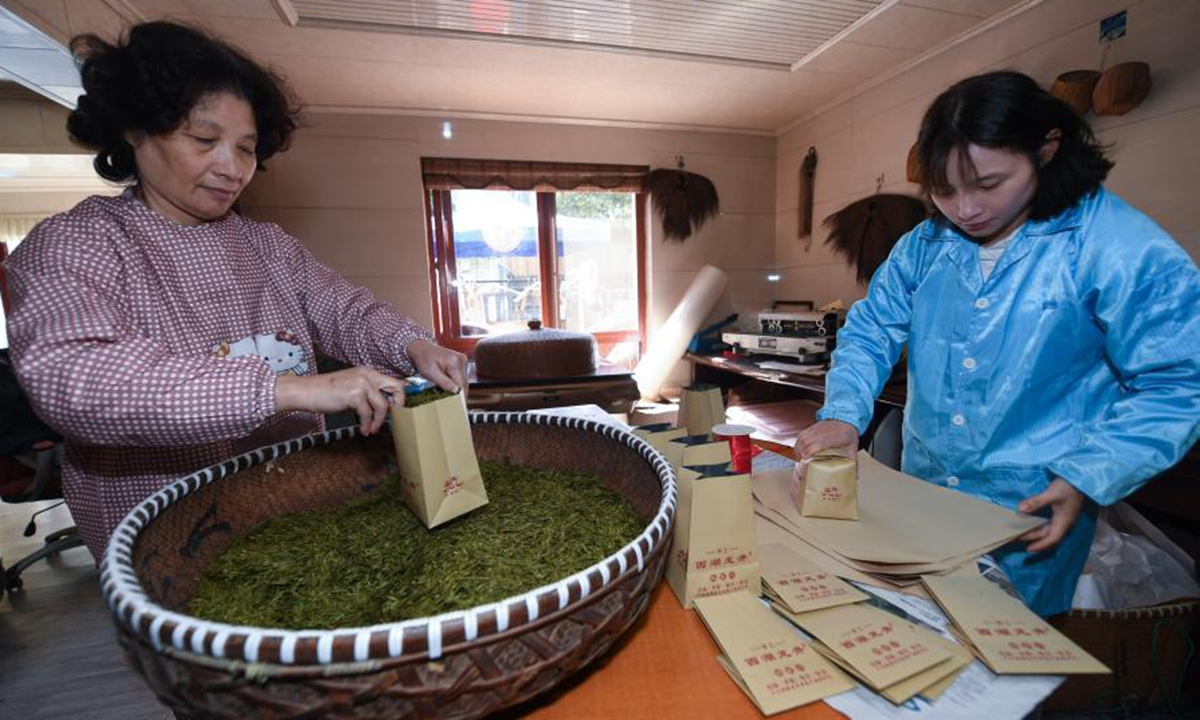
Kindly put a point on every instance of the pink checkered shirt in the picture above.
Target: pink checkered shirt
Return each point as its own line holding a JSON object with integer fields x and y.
{"x": 153, "y": 348}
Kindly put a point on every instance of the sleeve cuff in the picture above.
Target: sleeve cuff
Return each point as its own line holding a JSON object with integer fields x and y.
{"x": 842, "y": 414}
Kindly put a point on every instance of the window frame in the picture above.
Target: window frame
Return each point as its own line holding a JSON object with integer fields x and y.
{"x": 439, "y": 230}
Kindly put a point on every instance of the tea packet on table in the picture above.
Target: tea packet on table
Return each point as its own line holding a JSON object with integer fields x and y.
{"x": 876, "y": 646}
{"x": 765, "y": 657}
{"x": 829, "y": 488}
{"x": 799, "y": 584}
{"x": 715, "y": 546}
{"x": 439, "y": 471}
{"x": 700, "y": 407}
{"x": 1009, "y": 637}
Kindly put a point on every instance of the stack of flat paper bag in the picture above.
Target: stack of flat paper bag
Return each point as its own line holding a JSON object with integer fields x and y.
{"x": 1005, "y": 634}
{"x": 798, "y": 585}
{"x": 906, "y": 527}
{"x": 894, "y": 657}
{"x": 766, "y": 658}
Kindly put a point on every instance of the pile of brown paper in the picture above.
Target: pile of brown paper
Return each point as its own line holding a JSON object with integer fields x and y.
{"x": 1005, "y": 634}
{"x": 891, "y": 656}
{"x": 765, "y": 657}
{"x": 906, "y": 527}
{"x": 799, "y": 585}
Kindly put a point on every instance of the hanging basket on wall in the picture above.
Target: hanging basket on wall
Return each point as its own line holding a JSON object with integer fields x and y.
{"x": 1075, "y": 89}
{"x": 683, "y": 200}
{"x": 865, "y": 231}
{"x": 1121, "y": 88}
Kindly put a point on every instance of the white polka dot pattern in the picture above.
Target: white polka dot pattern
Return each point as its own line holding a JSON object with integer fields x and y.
{"x": 116, "y": 315}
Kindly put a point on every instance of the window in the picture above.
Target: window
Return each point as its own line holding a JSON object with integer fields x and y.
{"x": 573, "y": 259}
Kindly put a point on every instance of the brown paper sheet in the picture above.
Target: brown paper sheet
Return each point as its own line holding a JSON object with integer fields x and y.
{"x": 439, "y": 470}
{"x": 801, "y": 585}
{"x": 881, "y": 648}
{"x": 901, "y": 519}
{"x": 772, "y": 528}
{"x": 1006, "y": 635}
{"x": 765, "y": 657}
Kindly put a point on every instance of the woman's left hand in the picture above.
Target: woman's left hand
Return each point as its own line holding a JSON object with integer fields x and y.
{"x": 1065, "y": 503}
{"x": 445, "y": 367}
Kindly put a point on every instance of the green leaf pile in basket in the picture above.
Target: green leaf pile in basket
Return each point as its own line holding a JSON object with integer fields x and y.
{"x": 372, "y": 561}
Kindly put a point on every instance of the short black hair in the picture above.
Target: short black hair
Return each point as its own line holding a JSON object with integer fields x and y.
{"x": 151, "y": 81}
{"x": 1009, "y": 111}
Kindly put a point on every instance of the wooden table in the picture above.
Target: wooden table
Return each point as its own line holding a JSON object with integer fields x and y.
{"x": 665, "y": 667}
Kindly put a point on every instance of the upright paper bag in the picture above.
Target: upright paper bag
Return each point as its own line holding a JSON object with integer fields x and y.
{"x": 715, "y": 548}
{"x": 658, "y": 435}
{"x": 830, "y": 488}
{"x": 700, "y": 407}
{"x": 439, "y": 472}
{"x": 701, "y": 449}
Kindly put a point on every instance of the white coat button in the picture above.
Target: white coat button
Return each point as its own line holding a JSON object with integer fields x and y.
{"x": 952, "y": 481}
{"x": 958, "y": 419}
{"x": 982, "y": 303}
{"x": 969, "y": 363}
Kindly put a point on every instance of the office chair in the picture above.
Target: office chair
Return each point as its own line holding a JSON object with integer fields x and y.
{"x": 30, "y": 469}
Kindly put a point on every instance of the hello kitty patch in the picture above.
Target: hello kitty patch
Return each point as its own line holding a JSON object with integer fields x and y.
{"x": 281, "y": 350}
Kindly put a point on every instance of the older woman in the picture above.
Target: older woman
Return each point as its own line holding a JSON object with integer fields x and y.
{"x": 160, "y": 331}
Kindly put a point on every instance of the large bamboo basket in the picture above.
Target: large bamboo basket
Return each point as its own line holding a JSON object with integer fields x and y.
{"x": 462, "y": 664}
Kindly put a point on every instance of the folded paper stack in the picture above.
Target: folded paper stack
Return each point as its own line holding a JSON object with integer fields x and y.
{"x": 1007, "y": 636}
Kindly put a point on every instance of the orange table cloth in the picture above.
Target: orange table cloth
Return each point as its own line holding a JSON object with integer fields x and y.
{"x": 664, "y": 667}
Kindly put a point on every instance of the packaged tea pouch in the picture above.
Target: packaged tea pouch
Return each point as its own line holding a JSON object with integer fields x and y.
{"x": 439, "y": 471}
{"x": 829, "y": 488}
{"x": 700, "y": 407}
{"x": 715, "y": 546}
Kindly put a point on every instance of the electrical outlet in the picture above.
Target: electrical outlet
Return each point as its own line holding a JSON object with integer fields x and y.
{"x": 1112, "y": 27}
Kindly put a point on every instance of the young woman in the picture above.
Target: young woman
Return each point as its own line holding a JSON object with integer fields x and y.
{"x": 160, "y": 331}
{"x": 1053, "y": 331}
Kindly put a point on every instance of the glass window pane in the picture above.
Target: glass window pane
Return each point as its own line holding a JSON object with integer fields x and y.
{"x": 597, "y": 261}
{"x": 496, "y": 254}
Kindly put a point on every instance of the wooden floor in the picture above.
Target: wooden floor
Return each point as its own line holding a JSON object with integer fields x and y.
{"x": 58, "y": 652}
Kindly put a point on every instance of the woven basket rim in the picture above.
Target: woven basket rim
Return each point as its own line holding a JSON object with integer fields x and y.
{"x": 163, "y": 629}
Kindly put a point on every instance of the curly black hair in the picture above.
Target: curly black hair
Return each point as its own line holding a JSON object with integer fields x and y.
{"x": 151, "y": 81}
{"x": 1009, "y": 111}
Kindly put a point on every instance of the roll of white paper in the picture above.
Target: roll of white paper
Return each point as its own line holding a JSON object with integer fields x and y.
{"x": 667, "y": 344}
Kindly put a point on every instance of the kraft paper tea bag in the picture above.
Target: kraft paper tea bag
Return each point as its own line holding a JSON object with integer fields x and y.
{"x": 799, "y": 584}
{"x": 659, "y": 434}
{"x": 715, "y": 547}
{"x": 830, "y": 488}
{"x": 765, "y": 657}
{"x": 439, "y": 472}
{"x": 703, "y": 449}
{"x": 879, "y": 647}
{"x": 700, "y": 407}
{"x": 1006, "y": 635}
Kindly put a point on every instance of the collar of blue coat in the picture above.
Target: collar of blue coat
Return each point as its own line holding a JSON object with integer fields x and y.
{"x": 1068, "y": 219}
{"x": 965, "y": 252}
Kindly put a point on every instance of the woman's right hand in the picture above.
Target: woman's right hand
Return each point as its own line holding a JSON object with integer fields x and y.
{"x": 835, "y": 435}
{"x": 827, "y": 435}
{"x": 360, "y": 389}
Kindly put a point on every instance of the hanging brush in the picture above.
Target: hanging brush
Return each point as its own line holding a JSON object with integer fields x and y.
{"x": 683, "y": 200}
